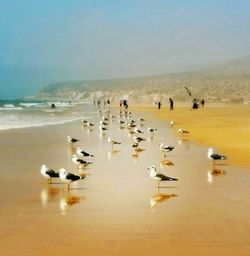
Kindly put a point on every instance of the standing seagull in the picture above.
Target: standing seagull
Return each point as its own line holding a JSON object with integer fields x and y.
{"x": 102, "y": 129}
{"x": 165, "y": 149}
{"x": 83, "y": 153}
{"x": 214, "y": 156}
{"x": 48, "y": 173}
{"x": 152, "y": 132}
{"x": 72, "y": 140}
{"x": 159, "y": 176}
{"x": 137, "y": 130}
{"x": 79, "y": 161}
{"x": 182, "y": 131}
{"x": 138, "y": 139}
{"x": 113, "y": 142}
{"x": 69, "y": 177}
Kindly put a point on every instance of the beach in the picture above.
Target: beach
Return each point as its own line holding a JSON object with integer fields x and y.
{"x": 223, "y": 126}
{"x": 117, "y": 209}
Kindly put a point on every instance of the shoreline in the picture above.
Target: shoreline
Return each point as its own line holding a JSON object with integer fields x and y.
{"x": 226, "y": 128}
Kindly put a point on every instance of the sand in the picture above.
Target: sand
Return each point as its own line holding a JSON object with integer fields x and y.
{"x": 118, "y": 210}
{"x": 224, "y": 127}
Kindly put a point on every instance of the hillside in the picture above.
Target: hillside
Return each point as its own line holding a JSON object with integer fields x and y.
{"x": 228, "y": 82}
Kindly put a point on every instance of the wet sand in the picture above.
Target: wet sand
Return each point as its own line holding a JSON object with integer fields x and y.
{"x": 225, "y": 127}
{"x": 117, "y": 209}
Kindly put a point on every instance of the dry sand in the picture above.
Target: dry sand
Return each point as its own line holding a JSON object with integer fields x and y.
{"x": 225, "y": 127}
{"x": 117, "y": 210}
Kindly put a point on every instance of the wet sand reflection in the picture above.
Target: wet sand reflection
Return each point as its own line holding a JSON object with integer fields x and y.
{"x": 158, "y": 198}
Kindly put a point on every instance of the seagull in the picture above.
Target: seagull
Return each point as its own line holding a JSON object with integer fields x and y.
{"x": 165, "y": 149}
{"x": 79, "y": 161}
{"x": 141, "y": 119}
{"x": 121, "y": 122}
{"x": 48, "y": 173}
{"x": 131, "y": 125}
{"x": 102, "y": 128}
{"x": 113, "y": 142}
{"x": 181, "y": 131}
{"x": 83, "y": 153}
{"x": 159, "y": 176}
{"x": 105, "y": 119}
{"x": 103, "y": 123}
{"x": 72, "y": 140}
{"x": 136, "y": 147}
{"x": 69, "y": 177}
{"x": 138, "y": 139}
{"x": 214, "y": 156}
{"x": 138, "y": 131}
{"x": 90, "y": 124}
{"x": 152, "y": 132}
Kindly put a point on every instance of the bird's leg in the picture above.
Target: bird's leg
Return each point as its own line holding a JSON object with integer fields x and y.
{"x": 68, "y": 186}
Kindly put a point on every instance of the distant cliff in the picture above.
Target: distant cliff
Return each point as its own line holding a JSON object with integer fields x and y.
{"x": 229, "y": 82}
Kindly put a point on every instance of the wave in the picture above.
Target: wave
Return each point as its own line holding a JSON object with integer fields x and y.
{"x": 33, "y": 104}
{"x": 30, "y": 125}
{"x": 10, "y": 107}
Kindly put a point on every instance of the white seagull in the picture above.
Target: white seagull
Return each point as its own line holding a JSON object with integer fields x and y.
{"x": 152, "y": 132}
{"x": 214, "y": 156}
{"x": 113, "y": 142}
{"x": 182, "y": 131}
{"x": 138, "y": 139}
{"x": 83, "y": 153}
{"x": 166, "y": 149}
{"x": 79, "y": 161}
{"x": 159, "y": 176}
{"x": 48, "y": 173}
{"x": 138, "y": 130}
{"x": 69, "y": 177}
{"x": 72, "y": 140}
{"x": 136, "y": 147}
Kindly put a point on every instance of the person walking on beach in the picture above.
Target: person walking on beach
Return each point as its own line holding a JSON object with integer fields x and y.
{"x": 159, "y": 105}
{"x": 171, "y": 103}
{"x": 195, "y": 104}
{"x": 202, "y": 103}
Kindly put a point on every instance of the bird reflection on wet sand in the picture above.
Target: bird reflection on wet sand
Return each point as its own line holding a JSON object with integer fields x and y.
{"x": 159, "y": 198}
{"x": 213, "y": 173}
{"x": 71, "y": 150}
{"x": 49, "y": 194}
{"x": 58, "y": 194}
{"x": 113, "y": 152}
{"x": 165, "y": 163}
{"x": 68, "y": 200}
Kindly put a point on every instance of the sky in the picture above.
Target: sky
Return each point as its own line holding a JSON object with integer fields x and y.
{"x": 44, "y": 41}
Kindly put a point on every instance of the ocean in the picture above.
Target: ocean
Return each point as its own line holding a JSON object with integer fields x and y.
{"x": 20, "y": 113}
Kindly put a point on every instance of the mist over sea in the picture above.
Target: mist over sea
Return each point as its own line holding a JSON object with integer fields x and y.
{"x": 20, "y": 113}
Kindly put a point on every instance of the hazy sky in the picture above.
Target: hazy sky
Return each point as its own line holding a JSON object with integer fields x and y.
{"x": 121, "y": 38}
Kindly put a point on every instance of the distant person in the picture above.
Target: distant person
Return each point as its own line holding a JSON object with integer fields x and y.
{"x": 125, "y": 104}
{"x": 121, "y": 102}
{"x": 159, "y": 105}
{"x": 202, "y": 103}
{"x": 195, "y": 104}
{"x": 171, "y": 104}
{"x": 53, "y": 105}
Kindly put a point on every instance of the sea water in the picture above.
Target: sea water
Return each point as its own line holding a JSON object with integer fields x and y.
{"x": 28, "y": 113}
